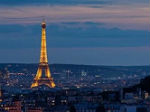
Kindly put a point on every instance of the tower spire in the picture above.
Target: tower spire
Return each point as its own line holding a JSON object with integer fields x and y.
{"x": 43, "y": 76}
{"x": 43, "y": 56}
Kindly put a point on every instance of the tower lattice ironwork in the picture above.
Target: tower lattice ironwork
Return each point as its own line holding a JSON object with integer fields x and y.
{"x": 43, "y": 76}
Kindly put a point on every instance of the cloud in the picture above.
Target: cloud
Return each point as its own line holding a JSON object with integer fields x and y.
{"x": 50, "y": 2}
{"x": 125, "y": 17}
{"x": 69, "y": 2}
{"x": 71, "y": 35}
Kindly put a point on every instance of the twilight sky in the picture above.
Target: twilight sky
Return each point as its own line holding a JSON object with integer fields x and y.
{"x": 97, "y": 32}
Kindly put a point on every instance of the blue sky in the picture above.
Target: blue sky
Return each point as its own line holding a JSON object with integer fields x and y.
{"x": 101, "y": 32}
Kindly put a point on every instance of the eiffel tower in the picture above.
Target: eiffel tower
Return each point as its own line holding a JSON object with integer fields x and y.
{"x": 43, "y": 76}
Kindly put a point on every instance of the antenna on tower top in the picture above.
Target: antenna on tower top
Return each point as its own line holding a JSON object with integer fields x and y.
{"x": 43, "y": 19}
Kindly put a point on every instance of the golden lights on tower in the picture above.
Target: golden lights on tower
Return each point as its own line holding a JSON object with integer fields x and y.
{"x": 43, "y": 76}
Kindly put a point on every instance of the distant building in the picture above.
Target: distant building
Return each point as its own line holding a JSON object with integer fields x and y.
{"x": 86, "y": 107}
{"x": 14, "y": 107}
{"x": 34, "y": 110}
{"x": 135, "y": 108}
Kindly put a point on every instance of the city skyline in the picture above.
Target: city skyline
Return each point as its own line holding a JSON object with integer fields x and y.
{"x": 93, "y": 32}
{"x": 74, "y": 56}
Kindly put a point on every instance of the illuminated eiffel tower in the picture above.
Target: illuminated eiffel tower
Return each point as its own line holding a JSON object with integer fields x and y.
{"x": 43, "y": 76}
